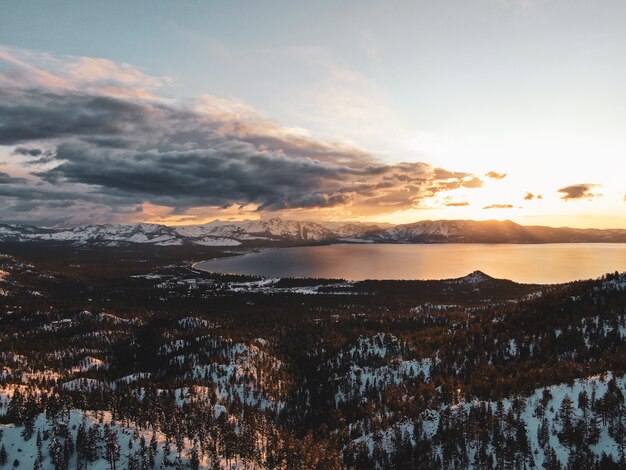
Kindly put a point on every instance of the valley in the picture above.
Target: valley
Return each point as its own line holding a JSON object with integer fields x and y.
{"x": 155, "y": 364}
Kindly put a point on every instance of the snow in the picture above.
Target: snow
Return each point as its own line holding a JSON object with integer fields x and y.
{"x": 207, "y": 241}
{"x": 216, "y": 233}
{"x": 591, "y": 385}
{"x": 85, "y": 384}
{"x": 88, "y": 363}
{"x": 358, "y": 379}
{"x": 353, "y": 373}
{"x": 232, "y": 370}
{"x": 194, "y": 323}
{"x": 25, "y": 451}
{"x": 134, "y": 377}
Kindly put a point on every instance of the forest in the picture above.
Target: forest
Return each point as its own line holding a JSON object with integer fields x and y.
{"x": 143, "y": 362}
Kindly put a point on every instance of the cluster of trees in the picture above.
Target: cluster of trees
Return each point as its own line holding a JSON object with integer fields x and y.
{"x": 246, "y": 434}
{"x": 489, "y": 435}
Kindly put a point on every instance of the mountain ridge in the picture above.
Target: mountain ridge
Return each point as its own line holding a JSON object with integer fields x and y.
{"x": 273, "y": 230}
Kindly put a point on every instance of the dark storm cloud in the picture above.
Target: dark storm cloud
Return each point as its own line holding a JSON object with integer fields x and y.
{"x": 32, "y": 152}
{"x": 34, "y": 156}
{"x": 231, "y": 172}
{"x": 106, "y": 155}
{"x": 578, "y": 191}
{"x": 37, "y": 114}
{"x": 6, "y": 179}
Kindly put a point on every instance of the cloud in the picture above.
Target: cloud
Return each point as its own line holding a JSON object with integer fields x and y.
{"x": 33, "y": 115}
{"x": 499, "y": 206}
{"x": 457, "y": 204}
{"x": 32, "y": 152}
{"x": 578, "y": 191}
{"x": 31, "y": 69}
{"x": 5, "y": 178}
{"x": 100, "y": 154}
{"x": 495, "y": 175}
{"x": 529, "y": 197}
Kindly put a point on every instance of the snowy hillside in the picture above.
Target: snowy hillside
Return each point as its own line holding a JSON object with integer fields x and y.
{"x": 84, "y": 439}
{"x": 562, "y": 426}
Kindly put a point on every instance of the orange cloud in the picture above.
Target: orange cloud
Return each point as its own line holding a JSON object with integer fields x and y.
{"x": 578, "y": 191}
{"x": 495, "y": 175}
{"x": 499, "y": 206}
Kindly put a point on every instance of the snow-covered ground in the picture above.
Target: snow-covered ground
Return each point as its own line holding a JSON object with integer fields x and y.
{"x": 530, "y": 415}
{"x": 26, "y": 451}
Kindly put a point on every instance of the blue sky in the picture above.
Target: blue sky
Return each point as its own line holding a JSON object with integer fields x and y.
{"x": 530, "y": 88}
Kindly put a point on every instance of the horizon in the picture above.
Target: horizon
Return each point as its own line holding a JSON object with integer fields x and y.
{"x": 320, "y": 222}
{"x": 180, "y": 115}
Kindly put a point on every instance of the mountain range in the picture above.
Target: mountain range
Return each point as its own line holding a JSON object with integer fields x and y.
{"x": 273, "y": 230}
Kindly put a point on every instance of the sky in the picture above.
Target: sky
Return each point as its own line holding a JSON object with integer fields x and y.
{"x": 181, "y": 112}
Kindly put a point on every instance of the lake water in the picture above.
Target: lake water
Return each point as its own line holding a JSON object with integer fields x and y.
{"x": 549, "y": 263}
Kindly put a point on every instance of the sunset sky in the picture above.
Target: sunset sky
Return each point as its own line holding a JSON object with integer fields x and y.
{"x": 182, "y": 112}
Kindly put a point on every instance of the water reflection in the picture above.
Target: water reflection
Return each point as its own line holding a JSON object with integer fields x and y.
{"x": 550, "y": 263}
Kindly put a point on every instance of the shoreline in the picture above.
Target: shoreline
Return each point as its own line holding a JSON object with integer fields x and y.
{"x": 398, "y": 262}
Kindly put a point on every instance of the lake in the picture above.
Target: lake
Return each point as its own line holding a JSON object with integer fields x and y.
{"x": 545, "y": 263}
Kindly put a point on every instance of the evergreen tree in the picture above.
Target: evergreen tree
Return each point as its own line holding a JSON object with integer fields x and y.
{"x": 16, "y": 409}
{"x": 194, "y": 461}
{"x": 3, "y": 455}
{"x": 57, "y": 455}
{"x": 112, "y": 446}
{"x": 81, "y": 444}
{"x": 133, "y": 463}
{"x": 551, "y": 462}
{"x": 566, "y": 418}
{"x": 92, "y": 443}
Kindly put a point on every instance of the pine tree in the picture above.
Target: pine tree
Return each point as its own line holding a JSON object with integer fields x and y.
{"x": 566, "y": 418}
{"x": 39, "y": 440}
{"x": 57, "y": 456}
{"x": 92, "y": 444}
{"x": 551, "y": 462}
{"x": 16, "y": 409}
{"x": 39, "y": 458}
{"x": 3, "y": 455}
{"x": 133, "y": 464}
{"x": 153, "y": 441}
{"x": 29, "y": 428}
{"x": 195, "y": 460}
{"x": 81, "y": 444}
{"x": 543, "y": 433}
{"x": 112, "y": 446}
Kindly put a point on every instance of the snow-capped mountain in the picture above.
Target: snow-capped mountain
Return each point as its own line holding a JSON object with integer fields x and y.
{"x": 229, "y": 233}
{"x": 493, "y": 231}
{"x": 216, "y": 233}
